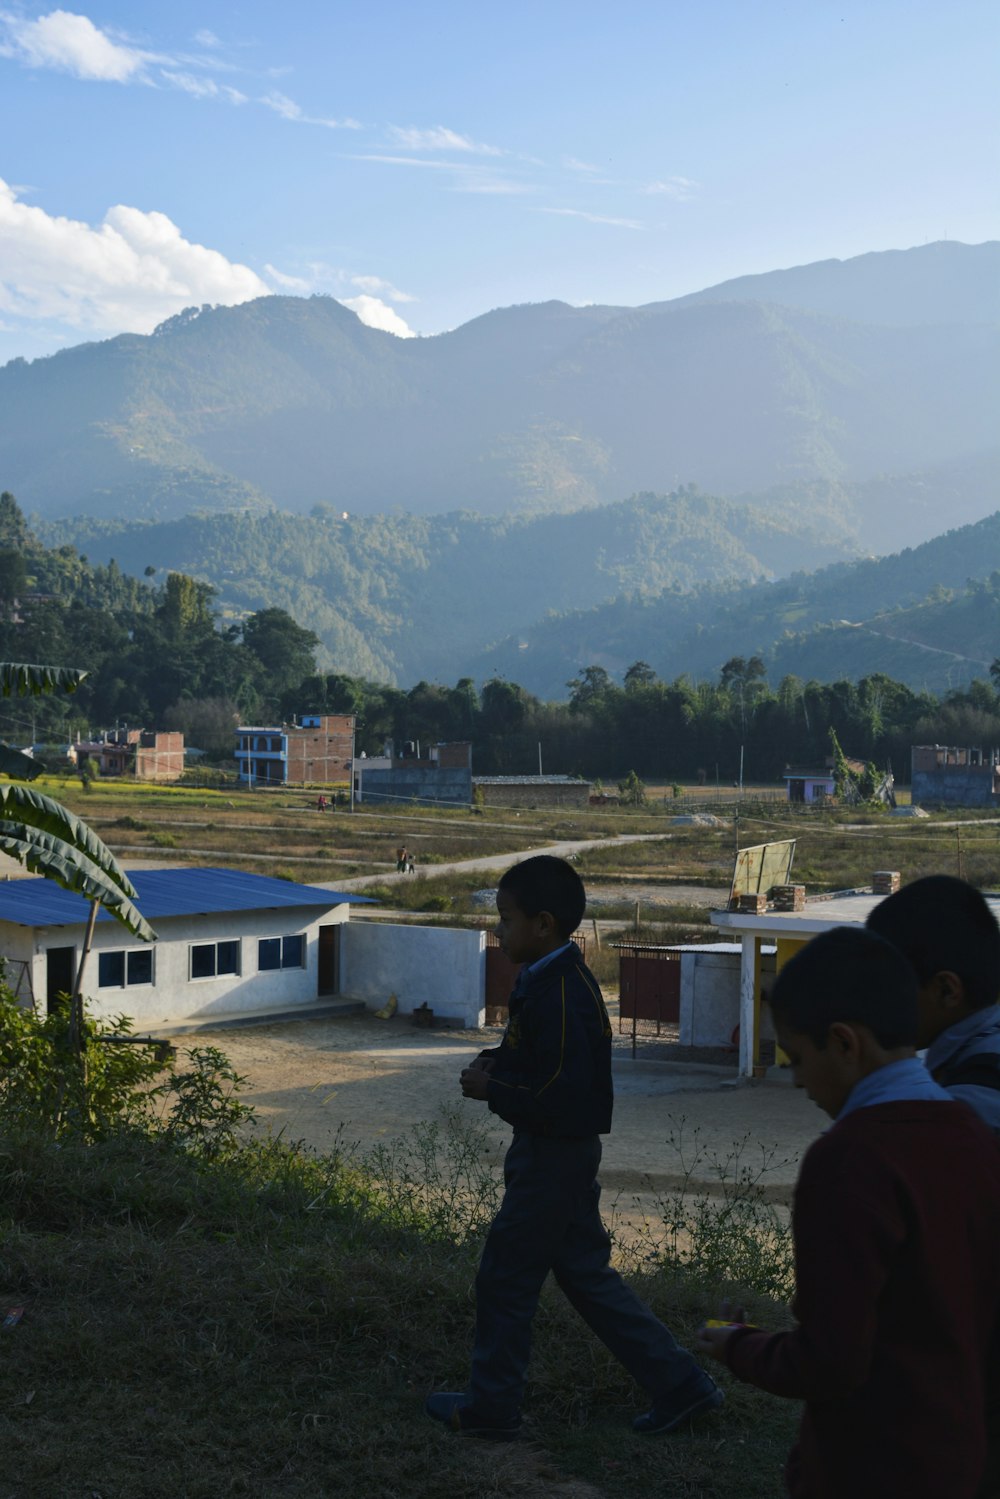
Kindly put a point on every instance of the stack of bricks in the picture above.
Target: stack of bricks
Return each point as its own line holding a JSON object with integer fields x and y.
{"x": 789, "y": 897}
{"x": 885, "y": 881}
{"x": 750, "y": 905}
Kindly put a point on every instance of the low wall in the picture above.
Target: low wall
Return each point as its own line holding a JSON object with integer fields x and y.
{"x": 416, "y": 783}
{"x": 955, "y": 786}
{"x": 437, "y": 966}
{"x": 710, "y": 997}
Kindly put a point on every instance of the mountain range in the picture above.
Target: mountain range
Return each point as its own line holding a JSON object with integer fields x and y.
{"x": 799, "y": 387}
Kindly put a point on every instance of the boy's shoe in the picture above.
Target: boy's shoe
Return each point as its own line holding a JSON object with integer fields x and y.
{"x": 696, "y": 1396}
{"x": 454, "y": 1409}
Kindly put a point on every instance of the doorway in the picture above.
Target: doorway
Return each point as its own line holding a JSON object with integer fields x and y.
{"x": 60, "y": 974}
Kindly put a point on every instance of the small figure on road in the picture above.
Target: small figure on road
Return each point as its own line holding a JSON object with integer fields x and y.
{"x": 401, "y": 859}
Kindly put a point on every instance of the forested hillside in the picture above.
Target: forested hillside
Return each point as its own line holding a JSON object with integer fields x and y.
{"x": 535, "y": 598}
{"x": 788, "y": 381}
{"x": 159, "y": 654}
{"x": 400, "y": 596}
{"x": 929, "y": 616}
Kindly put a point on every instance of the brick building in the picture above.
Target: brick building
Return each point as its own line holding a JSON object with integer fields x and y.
{"x": 955, "y": 776}
{"x": 140, "y": 754}
{"x": 315, "y": 750}
{"x": 444, "y": 774}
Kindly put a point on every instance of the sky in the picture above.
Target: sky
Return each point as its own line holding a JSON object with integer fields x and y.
{"x": 424, "y": 163}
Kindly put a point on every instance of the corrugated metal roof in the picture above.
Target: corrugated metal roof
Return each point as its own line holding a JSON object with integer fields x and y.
{"x": 167, "y": 892}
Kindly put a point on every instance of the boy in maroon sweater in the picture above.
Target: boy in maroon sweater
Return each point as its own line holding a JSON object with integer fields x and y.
{"x": 897, "y": 1245}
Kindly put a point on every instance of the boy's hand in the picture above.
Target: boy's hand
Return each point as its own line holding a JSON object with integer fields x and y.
{"x": 712, "y": 1337}
{"x": 475, "y": 1082}
{"x": 711, "y": 1342}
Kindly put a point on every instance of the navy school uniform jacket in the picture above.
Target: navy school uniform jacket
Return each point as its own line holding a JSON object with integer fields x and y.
{"x": 551, "y": 1073}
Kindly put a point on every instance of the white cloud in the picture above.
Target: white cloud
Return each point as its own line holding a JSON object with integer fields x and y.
{"x": 504, "y": 187}
{"x": 207, "y": 38}
{"x": 439, "y": 138}
{"x": 680, "y": 188}
{"x": 289, "y": 110}
{"x": 202, "y": 88}
{"x": 594, "y": 218}
{"x": 71, "y": 44}
{"x": 376, "y": 314}
{"x": 126, "y": 275}
{"x": 375, "y": 285}
{"x": 289, "y": 283}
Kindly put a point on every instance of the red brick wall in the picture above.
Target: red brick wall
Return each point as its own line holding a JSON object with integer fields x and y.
{"x": 321, "y": 754}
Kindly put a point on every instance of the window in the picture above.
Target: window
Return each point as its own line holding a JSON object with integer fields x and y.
{"x": 119, "y": 969}
{"x": 211, "y": 960}
{"x": 280, "y": 952}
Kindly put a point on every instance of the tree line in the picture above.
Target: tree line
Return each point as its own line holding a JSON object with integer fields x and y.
{"x": 159, "y": 655}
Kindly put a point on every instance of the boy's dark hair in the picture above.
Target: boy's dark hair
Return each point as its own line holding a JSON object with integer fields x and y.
{"x": 545, "y": 883}
{"x": 848, "y": 974}
{"x": 944, "y": 925}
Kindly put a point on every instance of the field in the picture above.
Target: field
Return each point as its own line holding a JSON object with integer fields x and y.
{"x": 265, "y": 1323}
{"x": 281, "y": 833}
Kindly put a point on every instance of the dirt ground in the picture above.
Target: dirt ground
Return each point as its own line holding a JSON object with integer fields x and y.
{"x": 370, "y": 1080}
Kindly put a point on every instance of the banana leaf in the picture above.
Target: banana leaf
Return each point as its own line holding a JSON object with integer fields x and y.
{"x": 18, "y": 679}
{"x": 18, "y": 766}
{"x": 51, "y": 841}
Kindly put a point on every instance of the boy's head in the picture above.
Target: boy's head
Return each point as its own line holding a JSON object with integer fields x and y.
{"x": 844, "y": 1006}
{"x": 950, "y": 936}
{"x": 541, "y": 902}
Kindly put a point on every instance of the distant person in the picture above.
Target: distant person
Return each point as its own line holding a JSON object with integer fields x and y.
{"x": 410, "y": 866}
{"x": 550, "y": 1078}
{"x": 948, "y": 932}
{"x": 896, "y": 1222}
{"x": 321, "y": 804}
{"x": 401, "y": 860}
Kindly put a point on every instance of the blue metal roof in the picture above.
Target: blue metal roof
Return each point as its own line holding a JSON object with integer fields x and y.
{"x": 167, "y": 892}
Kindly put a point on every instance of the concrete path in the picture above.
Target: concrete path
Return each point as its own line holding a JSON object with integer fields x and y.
{"x": 492, "y": 862}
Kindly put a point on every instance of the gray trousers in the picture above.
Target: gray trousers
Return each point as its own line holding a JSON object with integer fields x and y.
{"x": 550, "y": 1220}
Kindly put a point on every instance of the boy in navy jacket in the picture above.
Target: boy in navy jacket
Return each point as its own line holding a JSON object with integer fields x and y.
{"x": 550, "y": 1078}
{"x": 897, "y": 1243}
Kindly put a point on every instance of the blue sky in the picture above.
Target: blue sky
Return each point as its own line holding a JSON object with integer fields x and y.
{"x": 427, "y": 162}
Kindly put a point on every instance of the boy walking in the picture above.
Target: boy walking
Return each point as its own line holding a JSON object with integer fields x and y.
{"x": 897, "y": 1240}
{"x": 550, "y": 1078}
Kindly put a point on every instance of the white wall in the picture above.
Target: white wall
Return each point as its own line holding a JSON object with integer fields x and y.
{"x": 174, "y": 998}
{"x": 710, "y": 996}
{"x": 443, "y": 968}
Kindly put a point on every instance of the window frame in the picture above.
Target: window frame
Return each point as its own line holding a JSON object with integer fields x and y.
{"x": 216, "y": 973}
{"x": 127, "y": 981}
{"x": 284, "y": 941}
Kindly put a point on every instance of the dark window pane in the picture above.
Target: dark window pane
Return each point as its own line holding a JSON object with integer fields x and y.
{"x": 291, "y": 952}
{"x": 269, "y": 953}
{"x": 229, "y": 957}
{"x": 140, "y": 966}
{"x": 203, "y": 961}
{"x": 111, "y": 970}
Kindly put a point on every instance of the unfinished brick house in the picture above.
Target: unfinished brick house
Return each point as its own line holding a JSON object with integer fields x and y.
{"x": 315, "y": 749}
{"x": 955, "y": 776}
{"x": 138, "y": 754}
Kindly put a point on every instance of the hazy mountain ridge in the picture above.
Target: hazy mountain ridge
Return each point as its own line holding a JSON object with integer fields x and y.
{"x": 760, "y": 383}
{"x": 400, "y": 597}
{"x": 892, "y": 614}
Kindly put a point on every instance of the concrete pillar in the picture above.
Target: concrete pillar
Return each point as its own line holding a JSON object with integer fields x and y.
{"x": 748, "y": 1008}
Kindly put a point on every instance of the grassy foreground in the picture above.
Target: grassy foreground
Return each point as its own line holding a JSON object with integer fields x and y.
{"x": 267, "y": 1324}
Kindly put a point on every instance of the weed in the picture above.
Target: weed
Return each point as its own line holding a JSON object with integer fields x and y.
{"x": 729, "y": 1234}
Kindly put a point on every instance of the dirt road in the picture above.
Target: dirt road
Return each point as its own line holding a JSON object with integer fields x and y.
{"x": 372, "y": 1080}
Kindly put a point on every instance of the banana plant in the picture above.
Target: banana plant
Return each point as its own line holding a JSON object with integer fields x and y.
{"x": 44, "y": 835}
